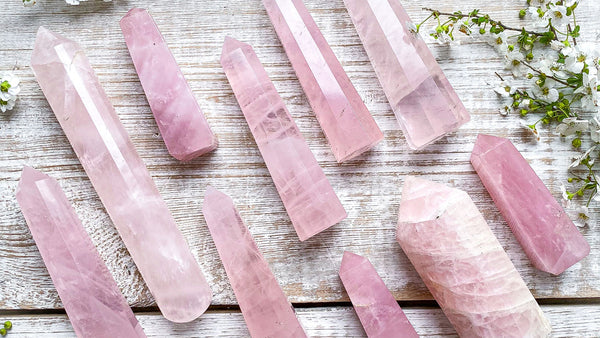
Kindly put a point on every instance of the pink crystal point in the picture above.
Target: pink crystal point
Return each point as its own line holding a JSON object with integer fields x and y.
{"x": 265, "y": 308}
{"x": 346, "y": 122}
{"x": 463, "y": 264}
{"x": 120, "y": 177}
{"x": 90, "y": 295}
{"x": 377, "y": 309}
{"x": 306, "y": 193}
{"x": 548, "y": 236}
{"x": 423, "y": 100}
{"x": 180, "y": 120}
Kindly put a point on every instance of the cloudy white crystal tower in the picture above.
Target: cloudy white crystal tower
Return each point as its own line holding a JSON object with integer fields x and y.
{"x": 120, "y": 177}
{"x": 423, "y": 100}
{"x": 265, "y": 308}
{"x": 176, "y": 111}
{"x": 376, "y": 307}
{"x": 90, "y": 295}
{"x": 343, "y": 116}
{"x": 306, "y": 193}
{"x": 550, "y": 239}
{"x": 463, "y": 264}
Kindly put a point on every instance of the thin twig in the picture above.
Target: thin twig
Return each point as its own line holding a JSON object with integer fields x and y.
{"x": 550, "y": 77}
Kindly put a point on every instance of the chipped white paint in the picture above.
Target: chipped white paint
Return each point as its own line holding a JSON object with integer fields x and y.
{"x": 369, "y": 187}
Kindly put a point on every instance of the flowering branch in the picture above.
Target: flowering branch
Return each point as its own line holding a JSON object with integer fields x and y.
{"x": 9, "y": 89}
{"x": 561, "y": 77}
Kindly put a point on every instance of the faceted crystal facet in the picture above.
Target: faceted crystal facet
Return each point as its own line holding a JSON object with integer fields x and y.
{"x": 376, "y": 307}
{"x": 423, "y": 100}
{"x": 91, "y": 298}
{"x": 265, "y": 308}
{"x": 306, "y": 193}
{"x": 120, "y": 177}
{"x": 463, "y": 264}
{"x": 180, "y": 120}
{"x": 345, "y": 120}
{"x": 550, "y": 239}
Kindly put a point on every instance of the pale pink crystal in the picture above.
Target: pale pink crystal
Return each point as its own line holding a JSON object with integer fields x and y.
{"x": 306, "y": 193}
{"x": 180, "y": 120}
{"x": 376, "y": 307}
{"x": 423, "y": 100}
{"x": 120, "y": 177}
{"x": 90, "y": 295}
{"x": 550, "y": 239}
{"x": 463, "y": 264}
{"x": 265, "y": 308}
{"x": 343, "y": 116}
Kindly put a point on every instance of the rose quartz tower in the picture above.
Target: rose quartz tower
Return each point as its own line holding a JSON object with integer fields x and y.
{"x": 423, "y": 100}
{"x": 120, "y": 177}
{"x": 265, "y": 308}
{"x": 377, "y": 309}
{"x": 92, "y": 299}
{"x": 180, "y": 120}
{"x": 545, "y": 231}
{"x": 343, "y": 116}
{"x": 463, "y": 264}
{"x": 306, "y": 193}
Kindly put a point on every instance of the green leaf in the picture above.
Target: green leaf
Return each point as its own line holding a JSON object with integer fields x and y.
{"x": 4, "y": 86}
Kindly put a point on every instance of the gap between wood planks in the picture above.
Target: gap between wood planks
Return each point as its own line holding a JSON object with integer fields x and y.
{"x": 235, "y": 308}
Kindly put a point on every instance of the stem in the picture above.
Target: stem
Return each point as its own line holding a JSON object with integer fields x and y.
{"x": 498, "y": 23}
{"x": 550, "y": 77}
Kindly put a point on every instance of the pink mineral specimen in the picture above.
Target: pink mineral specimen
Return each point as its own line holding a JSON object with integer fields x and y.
{"x": 463, "y": 264}
{"x": 265, "y": 308}
{"x": 376, "y": 307}
{"x": 120, "y": 177}
{"x": 343, "y": 116}
{"x": 423, "y": 100}
{"x": 176, "y": 111}
{"x": 550, "y": 239}
{"x": 306, "y": 193}
{"x": 90, "y": 295}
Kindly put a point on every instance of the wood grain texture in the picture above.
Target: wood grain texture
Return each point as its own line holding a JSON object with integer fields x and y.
{"x": 369, "y": 188}
{"x": 567, "y": 321}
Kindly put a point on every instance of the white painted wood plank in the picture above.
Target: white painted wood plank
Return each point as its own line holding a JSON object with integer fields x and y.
{"x": 369, "y": 188}
{"x": 567, "y": 321}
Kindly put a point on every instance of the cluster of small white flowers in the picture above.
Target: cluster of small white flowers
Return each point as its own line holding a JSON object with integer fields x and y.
{"x": 9, "y": 89}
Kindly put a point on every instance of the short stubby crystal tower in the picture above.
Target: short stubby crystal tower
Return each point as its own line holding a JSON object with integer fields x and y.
{"x": 423, "y": 100}
{"x": 90, "y": 295}
{"x": 120, "y": 178}
{"x": 306, "y": 193}
{"x": 463, "y": 265}
{"x": 265, "y": 308}
{"x": 376, "y": 307}
{"x": 344, "y": 118}
{"x": 550, "y": 239}
{"x": 181, "y": 122}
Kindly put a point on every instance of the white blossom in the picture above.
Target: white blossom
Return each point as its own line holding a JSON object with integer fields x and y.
{"x": 533, "y": 130}
{"x": 572, "y": 125}
{"x": 411, "y": 27}
{"x": 536, "y": 18}
{"x": 589, "y": 89}
{"x": 556, "y": 45}
{"x": 580, "y": 215}
{"x": 9, "y": 89}
{"x": 581, "y": 157}
{"x": 558, "y": 15}
{"x": 574, "y": 59}
{"x": 513, "y": 61}
{"x": 595, "y": 128}
{"x": 28, "y": 3}
{"x": 504, "y": 89}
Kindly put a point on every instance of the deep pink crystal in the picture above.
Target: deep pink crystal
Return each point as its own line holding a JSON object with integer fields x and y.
{"x": 376, "y": 307}
{"x": 90, "y": 295}
{"x": 344, "y": 118}
{"x": 550, "y": 239}
{"x": 181, "y": 122}
{"x": 306, "y": 193}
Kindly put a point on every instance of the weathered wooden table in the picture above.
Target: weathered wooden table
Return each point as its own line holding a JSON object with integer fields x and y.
{"x": 369, "y": 188}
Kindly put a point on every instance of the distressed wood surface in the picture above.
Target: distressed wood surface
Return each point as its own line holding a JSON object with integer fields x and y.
{"x": 368, "y": 188}
{"x": 568, "y": 321}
